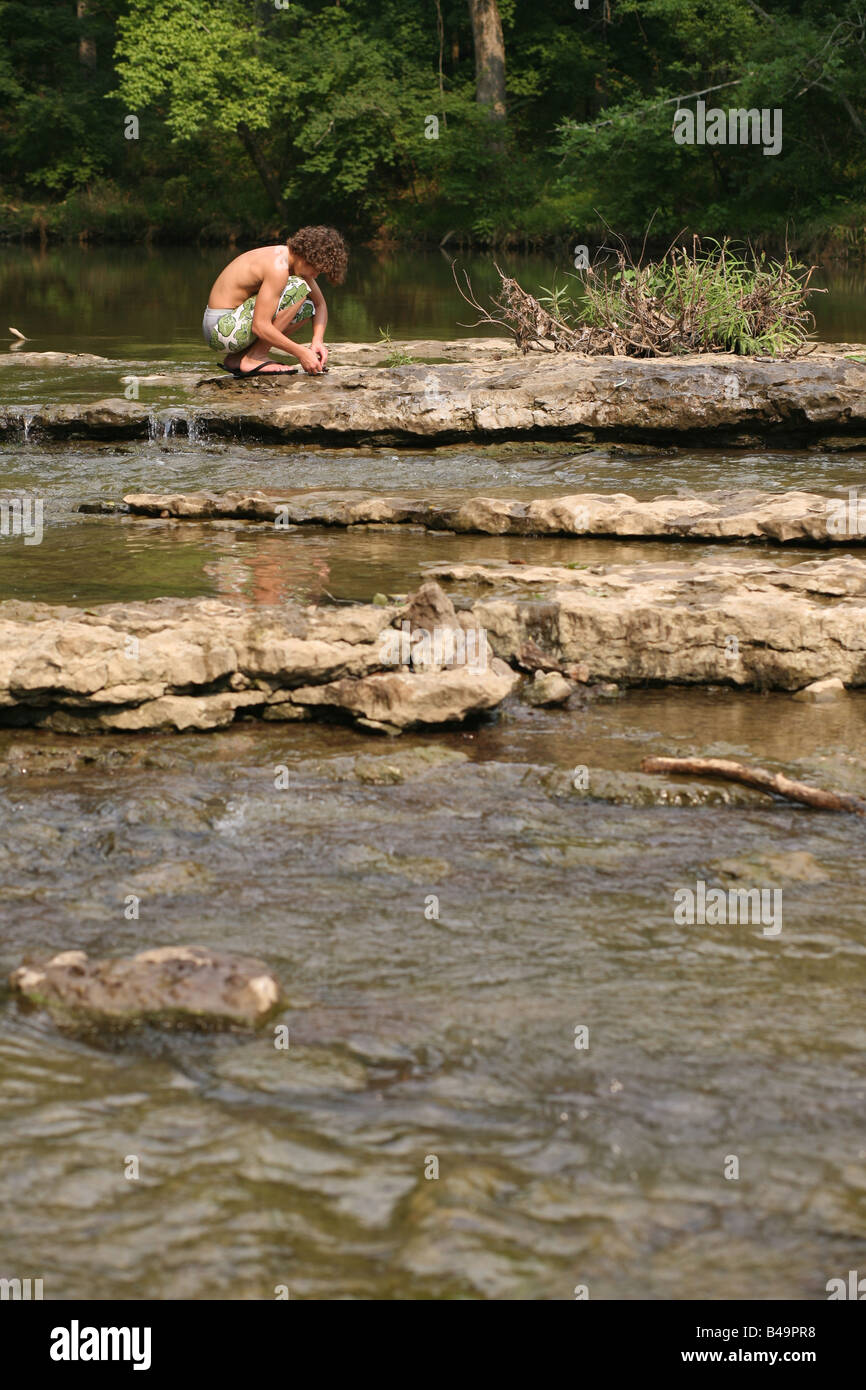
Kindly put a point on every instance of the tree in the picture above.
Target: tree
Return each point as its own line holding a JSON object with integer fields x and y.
{"x": 206, "y": 60}
{"x": 86, "y": 45}
{"x": 489, "y": 56}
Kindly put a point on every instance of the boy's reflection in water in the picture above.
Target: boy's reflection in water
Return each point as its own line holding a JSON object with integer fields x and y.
{"x": 269, "y": 574}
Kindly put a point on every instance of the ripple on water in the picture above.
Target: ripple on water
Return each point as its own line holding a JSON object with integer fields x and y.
{"x": 414, "y": 1037}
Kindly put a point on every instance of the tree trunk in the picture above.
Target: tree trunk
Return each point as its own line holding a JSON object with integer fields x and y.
{"x": 86, "y": 47}
{"x": 489, "y": 56}
{"x": 272, "y": 188}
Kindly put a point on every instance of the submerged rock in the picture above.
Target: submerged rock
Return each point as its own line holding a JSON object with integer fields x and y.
{"x": 795, "y": 866}
{"x": 171, "y": 985}
{"x": 402, "y": 766}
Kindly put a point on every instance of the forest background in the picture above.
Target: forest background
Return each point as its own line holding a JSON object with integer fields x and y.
{"x": 512, "y": 123}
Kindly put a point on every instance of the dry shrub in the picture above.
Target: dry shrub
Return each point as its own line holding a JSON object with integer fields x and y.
{"x": 690, "y": 301}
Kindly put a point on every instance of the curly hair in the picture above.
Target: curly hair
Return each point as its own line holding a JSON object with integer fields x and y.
{"x": 324, "y": 248}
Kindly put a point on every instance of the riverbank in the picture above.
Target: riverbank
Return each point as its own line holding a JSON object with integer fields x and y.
{"x": 111, "y": 216}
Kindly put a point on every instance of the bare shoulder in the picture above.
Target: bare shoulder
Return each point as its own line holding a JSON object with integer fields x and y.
{"x": 245, "y": 275}
{"x": 271, "y": 262}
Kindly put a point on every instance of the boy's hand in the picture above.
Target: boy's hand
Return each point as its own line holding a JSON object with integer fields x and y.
{"x": 321, "y": 352}
{"x": 309, "y": 360}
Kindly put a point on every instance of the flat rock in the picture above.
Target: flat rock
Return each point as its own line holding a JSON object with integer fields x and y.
{"x": 172, "y": 986}
{"x": 757, "y": 624}
{"x": 429, "y": 349}
{"x": 718, "y": 397}
{"x": 180, "y": 664}
{"x": 177, "y": 664}
{"x": 49, "y": 360}
{"x": 792, "y": 517}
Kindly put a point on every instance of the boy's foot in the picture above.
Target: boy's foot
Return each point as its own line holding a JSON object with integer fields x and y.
{"x": 245, "y": 365}
{"x": 262, "y": 370}
{"x": 243, "y": 362}
{"x": 249, "y": 362}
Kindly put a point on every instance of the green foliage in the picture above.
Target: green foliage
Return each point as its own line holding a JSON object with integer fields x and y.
{"x": 696, "y": 300}
{"x": 802, "y": 57}
{"x": 209, "y": 65}
{"x": 49, "y": 139}
{"x": 254, "y": 118}
{"x": 397, "y": 357}
{"x": 559, "y": 301}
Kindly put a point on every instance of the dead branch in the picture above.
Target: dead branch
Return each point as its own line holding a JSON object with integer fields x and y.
{"x": 468, "y": 295}
{"x": 773, "y": 783}
{"x": 687, "y": 302}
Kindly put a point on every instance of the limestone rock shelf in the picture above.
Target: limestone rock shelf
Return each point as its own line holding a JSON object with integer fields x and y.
{"x": 719, "y": 398}
{"x": 201, "y": 664}
{"x": 746, "y": 515}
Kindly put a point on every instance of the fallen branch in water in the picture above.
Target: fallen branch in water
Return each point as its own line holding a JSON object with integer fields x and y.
{"x": 771, "y": 782}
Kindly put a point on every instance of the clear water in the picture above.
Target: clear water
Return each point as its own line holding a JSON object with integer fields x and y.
{"x": 412, "y": 1037}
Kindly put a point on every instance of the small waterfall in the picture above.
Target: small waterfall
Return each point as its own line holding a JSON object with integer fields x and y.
{"x": 172, "y": 422}
{"x": 194, "y": 428}
{"x": 27, "y": 416}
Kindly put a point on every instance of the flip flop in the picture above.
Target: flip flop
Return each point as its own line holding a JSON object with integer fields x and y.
{"x": 232, "y": 371}
{"x": 256, "y": 371}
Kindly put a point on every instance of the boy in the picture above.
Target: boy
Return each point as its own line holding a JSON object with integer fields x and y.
{"x": 261, "y": 300}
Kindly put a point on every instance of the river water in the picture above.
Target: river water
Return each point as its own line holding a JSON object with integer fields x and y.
{"x": 135, "y": 302}
{"x": 415, "y": 1036}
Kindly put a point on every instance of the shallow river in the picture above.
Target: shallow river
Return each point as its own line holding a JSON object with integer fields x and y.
{"x": 411, "y": 1035}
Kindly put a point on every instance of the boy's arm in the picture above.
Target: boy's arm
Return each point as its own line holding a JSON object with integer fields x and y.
{"x": 320, "y": 323}
{"x": 267, "y": 304}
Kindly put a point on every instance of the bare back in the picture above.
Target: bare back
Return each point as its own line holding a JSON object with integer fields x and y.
{"x": 244, "y": 276}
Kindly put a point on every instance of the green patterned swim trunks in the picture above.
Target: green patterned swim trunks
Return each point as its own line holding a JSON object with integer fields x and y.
{"x": 231, "y": 330}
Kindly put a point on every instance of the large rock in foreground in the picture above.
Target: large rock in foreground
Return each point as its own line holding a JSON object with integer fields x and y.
{"x": 172, "y": 985}
{"x": 757, "y": 624}
{"x": 200, "y": 664}
{"x": 743, "y": 515}
{"x": 716, "y": 397}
